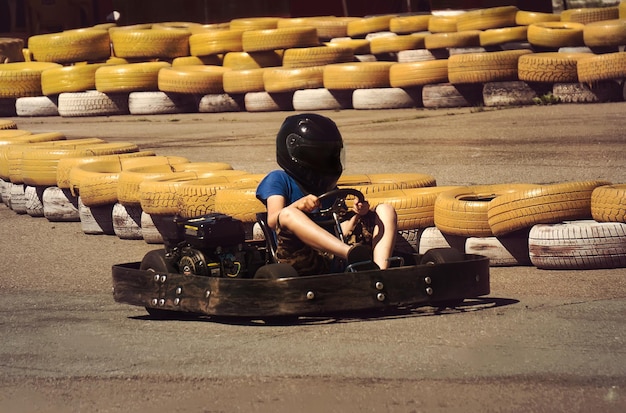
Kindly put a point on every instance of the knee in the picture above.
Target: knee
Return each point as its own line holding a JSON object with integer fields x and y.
{"x": 386, "y": 213}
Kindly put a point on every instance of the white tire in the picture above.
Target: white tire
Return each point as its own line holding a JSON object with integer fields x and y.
{"x": 97, "y": 220}
{"x": 322, "y": 99}
{"x": 216, "y": 103}
{"x": 501, "y": 251}
{"x": 59, "y": 205}
{"x": 5, "y": 192}
{"x": 34, "y": 203}
{"x": 511, "y": 93}
{"x": 127, "y": 221}
{"x": 37, "y": 106}
{"x": 93, "y": 103}
{"x": 17, "y": 199}
{"x": 159, "y": 103}
{"x": 386, "y": 98}
{"x": 149, "y": 231}
{"x": 578, "y": 245}
{"x": 268, "y": 102}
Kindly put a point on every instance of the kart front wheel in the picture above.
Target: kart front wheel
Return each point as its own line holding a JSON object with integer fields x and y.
{"x": 436, "y": 256}
{"x": 154, "y": 261}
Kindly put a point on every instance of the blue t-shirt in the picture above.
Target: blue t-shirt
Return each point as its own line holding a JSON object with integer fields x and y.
{"x": 278, "y": 182}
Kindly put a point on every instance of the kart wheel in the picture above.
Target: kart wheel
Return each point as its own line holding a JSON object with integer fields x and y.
{"x": 441, "y": 256}
{"x": 275, "y": 271}
{"x": 154, "y": 261}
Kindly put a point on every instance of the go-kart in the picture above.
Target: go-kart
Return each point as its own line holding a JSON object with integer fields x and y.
{"x": 208, "y": 267}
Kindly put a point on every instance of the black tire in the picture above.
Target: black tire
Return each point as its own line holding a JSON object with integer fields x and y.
{"x": 275, "y": 271}
{"x": 441, "y": 256}
{"x": 155, "y": 261}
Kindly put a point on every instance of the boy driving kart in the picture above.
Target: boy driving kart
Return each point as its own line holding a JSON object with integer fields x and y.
{"x": 309, "y": 149}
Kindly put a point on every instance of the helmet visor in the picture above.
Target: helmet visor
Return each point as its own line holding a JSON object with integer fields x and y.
{"x": 324, "y": 157}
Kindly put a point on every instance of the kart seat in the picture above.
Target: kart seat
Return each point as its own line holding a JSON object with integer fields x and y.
{"x": 268, "y": 233}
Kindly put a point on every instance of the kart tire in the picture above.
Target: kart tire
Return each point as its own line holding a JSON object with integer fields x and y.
{"x": 97, "y": 220}
{"x": 437, "y": 256}
{"x": 607, "y": 33}
{"x": 155, "y": 262}
{"x": 602, "y": 67}
{"x": 578, "y": 245}
{"x": 149, "y": 43}
{"x": 70, "y": 46}
{"x": 546, "y": 204}
{"x": 244, "y": 81}
{"x": 131, "y": 77}
{"x": 608, "y": 203}
{"x": 213, "y": 42}
{"x": 556, "y": 34}
{"x": 275, "y": 271}
{"x": 252, "y": 60}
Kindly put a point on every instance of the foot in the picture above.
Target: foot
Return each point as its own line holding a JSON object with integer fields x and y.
{"x": 360, "y": 259}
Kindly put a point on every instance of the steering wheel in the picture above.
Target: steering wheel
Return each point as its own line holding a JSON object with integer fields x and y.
{"x": 339, "y": 205}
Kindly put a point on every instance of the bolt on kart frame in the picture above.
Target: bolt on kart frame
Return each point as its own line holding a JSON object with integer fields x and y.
{"x": 209, "y": 268}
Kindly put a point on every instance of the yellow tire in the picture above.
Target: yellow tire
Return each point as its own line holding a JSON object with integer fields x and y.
{"x": 608, "y": 203}
{"x": 605, "y": 33}
{"x": 132, "y": 77}
{"x": 254, "y": 23}
{"x": 78, "y": 78}
{"x": 493, "y": 37}
{"x": 214, "y": 42}
{"x": 358, "y": 75}
{"x": 71, "y": 46}
{"x": 11, "y": 139}
{"x": 279, "y": 80}
{"x": 150, "y": 43}
{"x": 590, "y": 14}
{"x": 484, "y": 67}
{"x": 213, "y": 60}
{"x": 201, "y": 80}
{"x": 409, "y": 24}
{"x": 159, "y": 196}
{"x": 358, "y": 46}
{"x": 414, "y": 207}
{"x": 550, "y": 67}
{"x": 556, "y": 34}
{"x": 602, "y": 67}
{"x": 240, "y": 203}
{"x": 374, "y": 183}
{"x": 22, "y": 79}
{"x": 489, "y": 18}
{"x": 6, "y": 124}
{"x": 39, "y": 167}
{"x": 244, "y": 81}
{"x": 464, "y": 211}
{"x": 274, "y": 39}
{"x": 413, "y": 74}
{"x": 65, "y": 165}
{"x": 197, "y": 198}
{"x": 316, "y": 56}
{"x": 395, "y": 44}
{"x": 97, "y": 182}
{"x": 526, "y": 18}
{"x": 254, "y": 60}
{"x": 361, "y": 27}
{"x": 546, "y": 204}
{"x": 467, "y": 38}
{"x": 442, "y": 23}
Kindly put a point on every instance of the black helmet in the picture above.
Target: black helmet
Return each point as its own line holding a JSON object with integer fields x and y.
{"x": 309, "y": 148}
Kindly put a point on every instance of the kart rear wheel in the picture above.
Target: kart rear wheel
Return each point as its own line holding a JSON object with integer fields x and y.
{"x": 436, "y": 256}
{"x": 154, "y": 261}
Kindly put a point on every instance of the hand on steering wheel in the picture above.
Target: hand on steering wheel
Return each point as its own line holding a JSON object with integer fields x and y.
{"x": 339, "y": 205}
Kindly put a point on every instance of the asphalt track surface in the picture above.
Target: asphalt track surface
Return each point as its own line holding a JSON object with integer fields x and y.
{"x": 542, "y": 341}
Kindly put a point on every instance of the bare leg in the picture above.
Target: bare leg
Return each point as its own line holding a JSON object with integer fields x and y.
{"x": 310, "y": 233}
{"x": 384, "y": 234}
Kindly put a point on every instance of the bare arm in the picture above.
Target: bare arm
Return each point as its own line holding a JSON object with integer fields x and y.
{"x": 276, "y": 203}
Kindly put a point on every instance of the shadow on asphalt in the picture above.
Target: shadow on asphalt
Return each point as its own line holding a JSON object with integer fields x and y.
{"x": 469, "y": 305}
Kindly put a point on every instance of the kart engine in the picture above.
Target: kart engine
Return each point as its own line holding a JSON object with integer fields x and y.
{"x": 212, "y": 245}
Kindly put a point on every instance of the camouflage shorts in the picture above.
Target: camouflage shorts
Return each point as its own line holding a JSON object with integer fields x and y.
{"x": 308, "y": 261}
